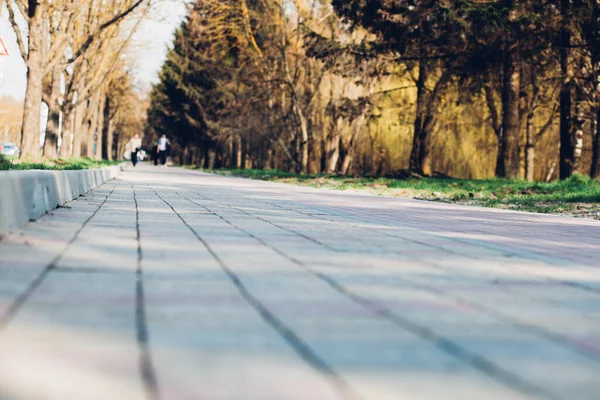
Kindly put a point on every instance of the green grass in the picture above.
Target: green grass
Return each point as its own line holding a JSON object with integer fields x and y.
{"x": 578, "y": 195}
{"x": 60, "y": 164}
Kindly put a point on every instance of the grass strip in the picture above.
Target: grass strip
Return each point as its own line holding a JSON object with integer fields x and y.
{"x": 61, "y": 164}
{"x": 576, "y": 196}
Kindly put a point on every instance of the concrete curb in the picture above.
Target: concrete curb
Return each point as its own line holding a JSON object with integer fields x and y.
{"x": 28, "y": 195}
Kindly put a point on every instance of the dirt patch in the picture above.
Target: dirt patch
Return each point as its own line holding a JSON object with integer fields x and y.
{"x": 584, "y": 210}
{"x": 376, "y": 186}
{"x": 404, "y": 193}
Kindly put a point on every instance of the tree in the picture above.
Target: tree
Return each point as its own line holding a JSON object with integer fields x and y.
{"x": 426, "y": 37}
{"x": 311, "y": 86}
{"x": 49, "y": 26}
{"x": 587, "y": 14}
{"x": 233, "y": 62}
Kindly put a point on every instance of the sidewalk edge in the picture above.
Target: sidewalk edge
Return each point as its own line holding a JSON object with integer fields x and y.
{"x": 29, "y": 195}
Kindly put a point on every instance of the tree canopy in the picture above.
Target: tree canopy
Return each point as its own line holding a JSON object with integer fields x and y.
{"x": 468, "y": 88}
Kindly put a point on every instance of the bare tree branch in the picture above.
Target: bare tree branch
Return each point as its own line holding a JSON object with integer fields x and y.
{"x": 90, "y": 39}
{"x": 17, "y": 30}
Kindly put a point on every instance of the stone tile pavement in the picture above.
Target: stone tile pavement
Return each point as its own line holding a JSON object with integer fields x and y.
{"x": 173, "y": 284}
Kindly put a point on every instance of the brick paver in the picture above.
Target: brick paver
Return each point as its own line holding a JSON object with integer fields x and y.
{"x": 172, "y": 284}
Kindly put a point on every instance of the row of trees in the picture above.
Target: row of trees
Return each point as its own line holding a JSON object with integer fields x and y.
{"x": 347, "y": 86}
{"x": 239, "y": 88}
{"x": 74, "y": 53}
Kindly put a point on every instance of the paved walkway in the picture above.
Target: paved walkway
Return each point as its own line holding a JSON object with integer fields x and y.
{"x": 170, "y": 284}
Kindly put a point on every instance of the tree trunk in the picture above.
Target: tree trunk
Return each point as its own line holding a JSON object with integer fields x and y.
{"x": 420, "y": 141}
{"x": 92, "y": 125}
{"x": 346, "y": 164}
{"x": 303, "y": 139}
{"x": 497, "y": 127}
{"x": 248, "y": 162}
{"x": 500, "y": 168}
{"x": 120, "y": 144}
{"x": 302, "y": 135}
{"x": 185, "y": 155}
{"x": 333, "y": 152}
{"x": 239, "y": 151}
{"x": 566, "y": 144}
{"x": 427, "y": 110}
{"x": 100, "y": 127}
{"x": 551, "y": 171}
{"x": 87, "y": 148}
{"x": 110, "y": 141}
{"x": 530, "y": 150}
{"x": 196, "y": 157}
{"x": 595, "y": 170}
{"x": 66, "y": 146}
{"x": 79, "y": 130}
{"x": 269, "y": 162}
{"x": 30, "y": 131}
{"x": 510, "y": 116}
{"x": 425, "y": 150}
{"x": 228, "y": 157}
{"x": 212, "y": 156}
{"x": 54, "y": 109}
{"x": 107, "y": 142}
{"x": 578, "y": 125}
{"x": 52, "y": 133}
{"x": 415, "y": 154}
{"x": 80, "y": 112}
{"x": 348, "y": 146}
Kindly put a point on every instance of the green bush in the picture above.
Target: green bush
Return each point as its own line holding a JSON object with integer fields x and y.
{"x": 577, "y": 180}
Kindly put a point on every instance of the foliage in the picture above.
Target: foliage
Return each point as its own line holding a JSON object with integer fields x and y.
{"x": 467, "y": 88}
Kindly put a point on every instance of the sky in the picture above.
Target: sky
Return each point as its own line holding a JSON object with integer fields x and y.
{"x": 147, "y": 54}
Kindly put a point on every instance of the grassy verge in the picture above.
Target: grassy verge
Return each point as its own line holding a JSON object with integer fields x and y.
{"x": 577, "y": 196}
{"x": 60, "y": 164}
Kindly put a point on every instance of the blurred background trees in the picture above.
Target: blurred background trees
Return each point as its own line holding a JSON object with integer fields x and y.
{"x": 73, "y": 50}
{"x": 472, "y": 89}
{"x": 468, "y": 89}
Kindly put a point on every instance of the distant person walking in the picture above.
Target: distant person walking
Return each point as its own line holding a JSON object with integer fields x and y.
{"x": 135, "y": 144}
{"x": 162, "y": 148}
